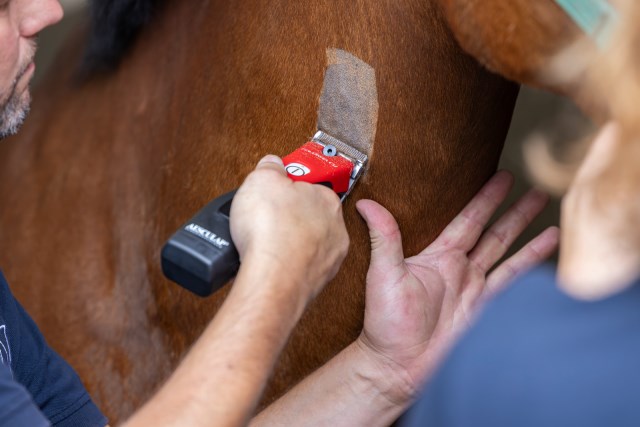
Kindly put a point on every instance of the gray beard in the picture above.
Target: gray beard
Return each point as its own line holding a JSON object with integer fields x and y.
{"x": 13, "y": 112}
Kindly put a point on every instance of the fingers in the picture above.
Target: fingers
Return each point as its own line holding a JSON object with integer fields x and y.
{"x": 465, "y": 229}
{"x": 386, "y": 241}
{"x": 495, "y": 242}
{"x": 271, "y": 162}
{"x": 533, "y": 253}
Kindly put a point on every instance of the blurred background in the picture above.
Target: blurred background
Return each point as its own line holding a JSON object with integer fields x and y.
{"x": 536, "y": 113}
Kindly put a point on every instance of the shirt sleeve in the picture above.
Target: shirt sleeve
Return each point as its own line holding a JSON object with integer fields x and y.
{"x": 16, "y": 406}
{"x": 537, "y": 357}
{"x": 53, "y": 384}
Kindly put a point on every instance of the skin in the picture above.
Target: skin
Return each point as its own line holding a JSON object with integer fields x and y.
{"x": 415, "y": 307}
{"x": 134, "y": 153}
{"x": 600, "y": 252}
{"x": 20, "y": 22}
{"x": 240, "y": 346}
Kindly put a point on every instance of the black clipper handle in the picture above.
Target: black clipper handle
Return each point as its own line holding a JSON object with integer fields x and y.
{"x": 201, "y": 256}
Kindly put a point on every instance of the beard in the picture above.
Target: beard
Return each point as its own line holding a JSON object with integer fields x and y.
{"x": 13, "y": 113}
{"x": 14, "y": 109}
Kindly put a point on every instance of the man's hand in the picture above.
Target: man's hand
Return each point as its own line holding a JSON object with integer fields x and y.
{"x": 297, "y": 227}
{"x": 291, "y": 239}
{"x": 600, "y": 252}
{"x": 416, "y": 307}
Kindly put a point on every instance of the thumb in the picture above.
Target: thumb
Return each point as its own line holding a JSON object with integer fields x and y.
{"x": 271, "y": 162}
{"x": 386, "y": 241}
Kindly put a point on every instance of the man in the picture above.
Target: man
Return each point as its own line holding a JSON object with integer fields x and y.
{"x": 21, "y": 22}
{"x": 415, "y": 307}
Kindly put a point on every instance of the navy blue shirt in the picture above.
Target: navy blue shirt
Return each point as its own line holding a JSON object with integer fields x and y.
{"x": 537, "y": 357}
{"x": 37, "y": 387}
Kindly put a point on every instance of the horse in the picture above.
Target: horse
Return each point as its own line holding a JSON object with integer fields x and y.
{"x": 109, "y": 165}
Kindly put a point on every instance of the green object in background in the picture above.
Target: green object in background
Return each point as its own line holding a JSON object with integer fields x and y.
{"x": 597, "y": 18}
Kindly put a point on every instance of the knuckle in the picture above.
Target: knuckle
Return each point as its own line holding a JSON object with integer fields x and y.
{"x": 266, "y": 172}
{"x": 328, "y": 194}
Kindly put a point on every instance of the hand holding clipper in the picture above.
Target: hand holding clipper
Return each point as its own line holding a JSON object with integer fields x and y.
{"x": 201, "y": 256}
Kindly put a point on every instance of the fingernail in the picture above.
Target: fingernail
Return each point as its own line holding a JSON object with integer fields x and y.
{"x": 270, "y": 158}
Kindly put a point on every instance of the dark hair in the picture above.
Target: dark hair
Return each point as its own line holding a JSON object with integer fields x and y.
{"x": 113, "y": 28}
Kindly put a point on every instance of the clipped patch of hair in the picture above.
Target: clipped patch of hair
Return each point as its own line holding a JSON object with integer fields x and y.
{"x": 114, "y": 26}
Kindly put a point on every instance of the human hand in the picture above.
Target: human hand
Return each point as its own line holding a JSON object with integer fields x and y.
{"x": 600, "y": 252}
{"x": 296, "y": 226}
{"x": 416, "y": 307}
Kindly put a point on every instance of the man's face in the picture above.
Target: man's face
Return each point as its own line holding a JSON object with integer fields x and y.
{"x": 20, "y": 22}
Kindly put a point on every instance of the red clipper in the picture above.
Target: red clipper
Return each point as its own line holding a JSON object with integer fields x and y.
{"x": 327, "y": 161}
{"x": 201, "y": 256}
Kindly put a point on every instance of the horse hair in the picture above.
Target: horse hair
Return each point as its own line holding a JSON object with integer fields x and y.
{"x": 113, "y": 28}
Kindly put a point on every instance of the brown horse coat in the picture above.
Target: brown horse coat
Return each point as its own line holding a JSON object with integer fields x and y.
{"x": 105, "y": 171}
